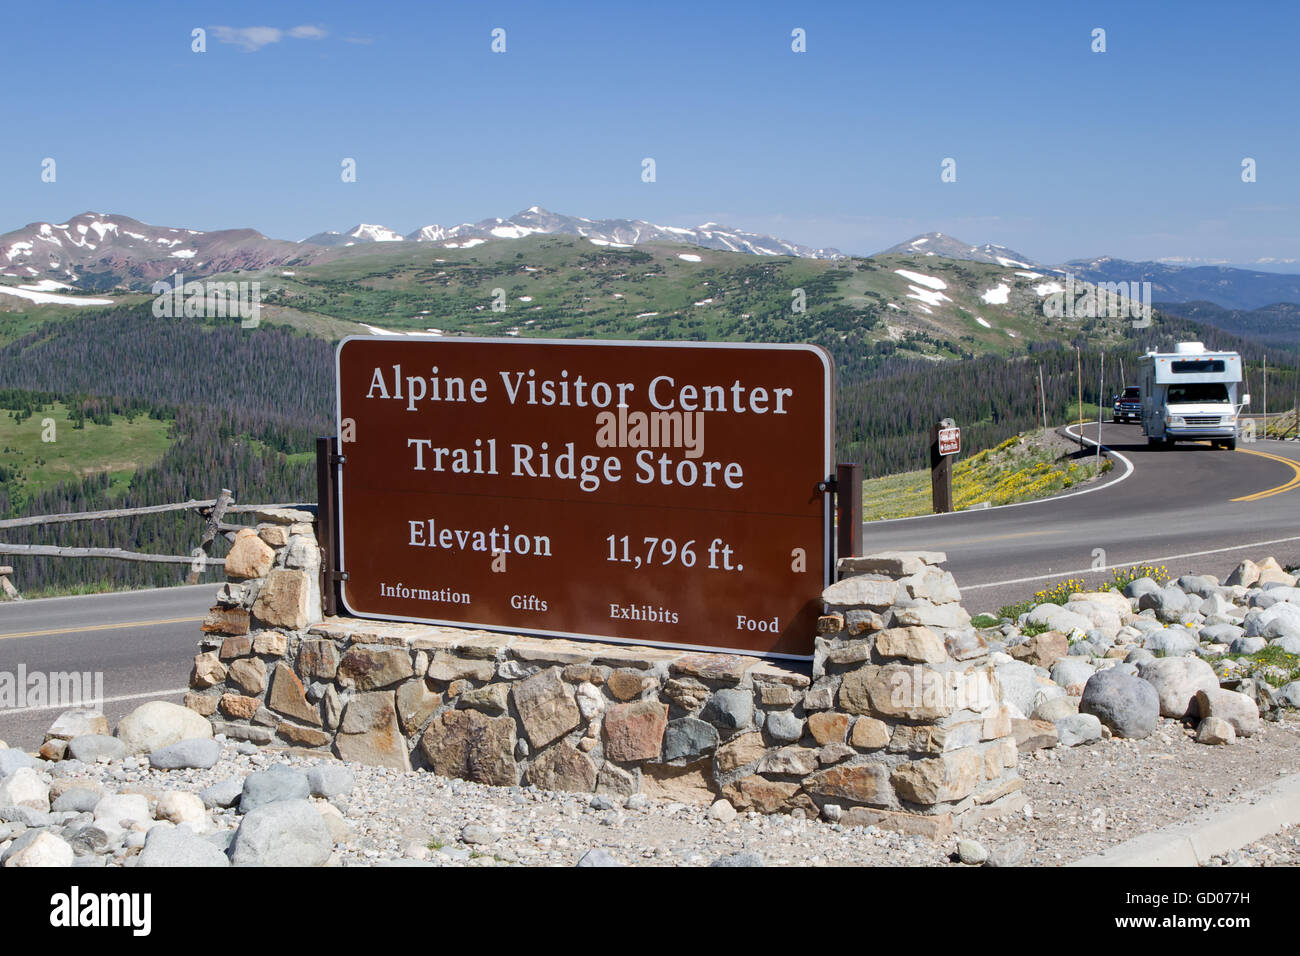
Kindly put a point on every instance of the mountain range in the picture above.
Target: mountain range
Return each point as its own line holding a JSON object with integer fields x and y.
{"x": 101, "y": 252}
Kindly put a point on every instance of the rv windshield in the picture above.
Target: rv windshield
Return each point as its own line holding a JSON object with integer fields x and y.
{"x": 1198, "y": 393}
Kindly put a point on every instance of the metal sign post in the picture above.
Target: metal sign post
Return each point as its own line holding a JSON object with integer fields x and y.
{"x": 945, "y": 441}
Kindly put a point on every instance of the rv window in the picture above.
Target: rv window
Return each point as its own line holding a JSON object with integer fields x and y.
{"x": 1186, "y": 366}
{"x": 1197, "y": 392}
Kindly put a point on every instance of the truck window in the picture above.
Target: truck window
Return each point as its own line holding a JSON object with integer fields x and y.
{"x": 1197, "y": 393}
{"x": 1184, "y": 366}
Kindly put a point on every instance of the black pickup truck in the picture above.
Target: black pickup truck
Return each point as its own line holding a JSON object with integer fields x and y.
{"x": 1127, "y": 407}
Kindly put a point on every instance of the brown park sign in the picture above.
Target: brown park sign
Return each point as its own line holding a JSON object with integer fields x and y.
{"x": 634, "y": 492}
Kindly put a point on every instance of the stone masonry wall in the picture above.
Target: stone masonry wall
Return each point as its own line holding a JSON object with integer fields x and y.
{"x": 897, "y": 723}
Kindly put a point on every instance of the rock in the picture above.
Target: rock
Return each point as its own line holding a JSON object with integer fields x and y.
{"x": 1009, "y": 854}
{"x": 868, "y": 734}
{"x": 95, "y": 747}
{"x": 1169, "y": 603}
{"x": 1245, "y": 574}
{"x": 223, "y": 794}
{"x": 1034, "y": 735}
{"x": 730, "y": 710}
{"x": 273, "y": 785}
{"x": 1237, "y": 709}
{"x": 476, "y": 835}
{"x": 918, "y": 644}
{"x": 124, "y": 810}
{"x": 1270, "y": 572}
{"x": 636, "y": 731}
{"x": 1244, "y": 645}
{"x": 790, "y": 761}
{"x": 158, "y": 724}
{"x": 690, "y": 783}
{"x": 249, "y": 556}
{"x": 688, "y": 737}
{"x": 340, "y": 830}
{"x": 43, "y": 849}
{"x": 1020, "y": 684}
{"x": 1289, "y": 695}
{"x": 562, "y": 767}
{"x": 1078, "y": 729}
{"x": 284, "y": 833}
{"x": 972, "y": 852}
{"x": 370, "y": 733}
{"x": 372, "y": 666}
{"x": 473, "y": 746}
{"x": 722, "y": 811}
{"x": 1072, "y": 673}
{"x": 1053, "y": 709}
{"x": 1215, "y": 730}
{"x": 285, "y": 600}
{"x": 77, "y": 723}
{"x": 1176, "y": 681}
{"x": 330, "y": 780}
{"x": 79, "y": 800}
{"x": 178, "y": 807}
{"x": 547, "y": 706}
{"x": 861, "y": 591}
{"x": 289, "y": 697}
{"x": 738, "y": 859}
{"x": 197, "y": 753}
{"x": 1290, "y": 643}
{"x": 783, "y": 726}
{"x": 179, "y": 846}
{"x": 1140, "y": 586}
{"x": 598, "y": 858}
{"x": 318, "y": 659}
{"x": 23, "y": 788}
{"x": 1063, "y": 620}
{"x": 1280, "y": 620}
{"x": 1129, "y": 706}
{"x": 11, "y": 760}
{"x": 1042, "y": 650}
{"x": 1172, "y": 642}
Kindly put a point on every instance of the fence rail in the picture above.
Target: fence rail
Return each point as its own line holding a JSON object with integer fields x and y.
{"x": 213, "y": 509}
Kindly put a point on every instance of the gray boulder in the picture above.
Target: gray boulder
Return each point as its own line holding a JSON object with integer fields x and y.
{"x": 1290, "y": 643}
{"x": 1247, "y": 645}
{"x": 1289, "y": 695}
{"x": 1280, "y": 620}
{"x": 1169, "y": 603}
{"x": 90, "y": 748}
{"x": 12, "y": 760}
{"x": 1075, "y": 729}
{"x": 197, "y": 753}
{"x": 330, "y": 780}
{"x": 1020, "y": 685}
{"x": 1237, "y": 709}
{"x": 1171, "y": 641}
{"x": 1139, "y": 587}
{"x": 730, "y": 709}
{"x": 284, "y": 833}
{"x": 158, "y": 723}
{"x": 273, "y": 785}
{"x": 1071, "y": 672}
{"x": 689, "y": 737}
{"x": 1220, "y": 633}
{"x": 223, "y": 794}
{"x": 1128, "y": 705}
{"x": 179, "y": 846}
{"x": 1176, "y": 681}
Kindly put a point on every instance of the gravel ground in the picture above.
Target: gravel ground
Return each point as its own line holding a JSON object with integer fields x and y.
{"x": 1080, "y": 801}
{"x": 1280, "y": 849}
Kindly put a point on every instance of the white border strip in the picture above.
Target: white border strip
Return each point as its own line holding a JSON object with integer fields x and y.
{"x": 828, "y": 469}
{"x": 1129, "y": 564}
{"x": 107, "y": 700}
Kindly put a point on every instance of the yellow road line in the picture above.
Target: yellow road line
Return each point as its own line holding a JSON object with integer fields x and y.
{"x": 101, "y": 627}
{"x": 1280, "y": 489}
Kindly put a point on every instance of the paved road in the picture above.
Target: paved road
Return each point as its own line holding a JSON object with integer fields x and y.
{"x": 1176, "y": 507}
{"x": 142, "y": 642}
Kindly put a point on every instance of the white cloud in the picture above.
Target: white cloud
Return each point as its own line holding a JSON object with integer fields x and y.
{"x": 253, "y": 39}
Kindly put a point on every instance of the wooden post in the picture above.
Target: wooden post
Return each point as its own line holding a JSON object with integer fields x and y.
{"x": 848, "y": 503}
{"x": 1079, "y": 356}
{"x": 327, "y": 460}
{"x": 6, "y": 586}
{"x": 213, "y": 526}
{"x": 940, "y": 471}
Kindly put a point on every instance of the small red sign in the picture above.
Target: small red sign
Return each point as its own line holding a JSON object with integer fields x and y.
{"x": 949, "y": 441}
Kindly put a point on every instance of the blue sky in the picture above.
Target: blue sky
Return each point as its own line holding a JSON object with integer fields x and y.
{"x": 1060, "y": 152}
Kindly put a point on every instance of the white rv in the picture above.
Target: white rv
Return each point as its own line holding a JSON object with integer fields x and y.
{"x": 1191, "y": 394}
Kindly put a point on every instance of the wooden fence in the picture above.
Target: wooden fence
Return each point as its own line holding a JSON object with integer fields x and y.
{"x": 213, "y": 509}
